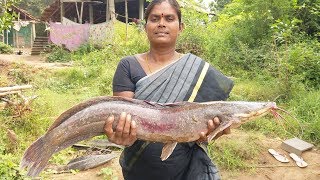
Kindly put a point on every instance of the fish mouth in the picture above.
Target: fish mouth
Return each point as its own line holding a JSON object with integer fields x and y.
{"x": 255, "y": 114}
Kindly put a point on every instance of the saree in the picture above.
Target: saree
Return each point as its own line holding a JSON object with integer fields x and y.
{"x": 187, "y": 79}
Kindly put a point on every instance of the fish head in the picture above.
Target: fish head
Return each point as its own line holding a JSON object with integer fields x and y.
{"x": 238, "y": 112}
{"x": 247, "y": 111}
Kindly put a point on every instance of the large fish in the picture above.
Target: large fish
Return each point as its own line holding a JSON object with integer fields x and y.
{"x": 166, "y": 123}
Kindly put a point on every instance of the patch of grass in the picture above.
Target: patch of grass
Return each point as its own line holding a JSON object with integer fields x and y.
{"x": 234, "y": 152}
{"x": 255, "y": 90}
{"x": 108, "y": 174}
{"x": 306, "y": 108}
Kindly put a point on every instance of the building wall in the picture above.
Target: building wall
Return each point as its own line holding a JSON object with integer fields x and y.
{"x": 23, "y": 37}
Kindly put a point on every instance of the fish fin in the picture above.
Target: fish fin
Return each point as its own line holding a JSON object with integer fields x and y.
{"x": 220, "y": 128}
{"x": 36, "y": 157}
{"x": 153, "y": 103}
{"x": 70, "y": 112}
{"x": 167, "y": 150}
{"x": 183, "y": 103}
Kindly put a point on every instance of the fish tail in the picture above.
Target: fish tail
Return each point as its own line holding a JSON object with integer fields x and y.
{"x": 36, "y": 157}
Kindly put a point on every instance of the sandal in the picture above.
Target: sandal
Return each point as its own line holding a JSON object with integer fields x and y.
{"x": 299, "y": 161}
{"x": 279, "y": 157}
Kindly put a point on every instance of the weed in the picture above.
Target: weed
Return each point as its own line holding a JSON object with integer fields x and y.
{"x": 59, "y": 54}
{"x": 108, "y": 174}
{"x": 9, "y": 169}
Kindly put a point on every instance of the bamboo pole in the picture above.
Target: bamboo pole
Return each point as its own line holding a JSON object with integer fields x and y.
{"x": 15, "y": 88}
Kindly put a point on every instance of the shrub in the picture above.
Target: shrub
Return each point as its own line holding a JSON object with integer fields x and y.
{"x": 5, "y": 49}
{"x": 9, "y": 169}
{"x": 58, "y": 54}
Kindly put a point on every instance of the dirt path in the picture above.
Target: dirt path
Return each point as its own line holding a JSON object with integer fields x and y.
{"x": 37, "y": 61}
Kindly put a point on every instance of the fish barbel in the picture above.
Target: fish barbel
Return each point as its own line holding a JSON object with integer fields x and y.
{"x": 166, "y": 123}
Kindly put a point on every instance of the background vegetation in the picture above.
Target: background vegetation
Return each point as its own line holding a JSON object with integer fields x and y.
{"x": 269, "y": 48}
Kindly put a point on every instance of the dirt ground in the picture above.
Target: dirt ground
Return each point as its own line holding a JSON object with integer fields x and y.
{"x": 37, "y": 61}
{"x": 268, "y": 168}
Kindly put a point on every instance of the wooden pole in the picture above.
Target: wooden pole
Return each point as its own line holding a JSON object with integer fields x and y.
{"x": 77, "y": 11}
{"x": 126, "y": 11}
{"x": 141, "y": 9}
{"x": 112, "y": 10}
{"x": 61, "y": 11}
{"x": 91, "y": 14}
{"x": 81, "y": 12}
{"x": 7, "y": 32}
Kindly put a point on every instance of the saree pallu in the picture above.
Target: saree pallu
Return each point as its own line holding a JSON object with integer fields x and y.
{"x": 187, "y": 79}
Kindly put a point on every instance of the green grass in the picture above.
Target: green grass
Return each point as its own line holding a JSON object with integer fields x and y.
{"x": 236, "y": 152}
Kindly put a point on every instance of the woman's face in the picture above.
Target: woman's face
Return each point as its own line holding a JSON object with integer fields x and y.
{"x": 163, "y": 25}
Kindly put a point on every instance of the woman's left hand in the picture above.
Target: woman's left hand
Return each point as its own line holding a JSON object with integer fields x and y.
{"x": 212, "y": 125}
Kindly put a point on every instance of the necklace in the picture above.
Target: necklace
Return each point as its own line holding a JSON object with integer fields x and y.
{"x": 147, "y": 60}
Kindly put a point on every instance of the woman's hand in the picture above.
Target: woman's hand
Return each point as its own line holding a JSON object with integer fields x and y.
{"x": 212, "y": 125}
{"x": 125, "y": 133}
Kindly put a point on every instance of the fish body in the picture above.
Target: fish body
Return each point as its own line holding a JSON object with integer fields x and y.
{"x": 166, "y": 123}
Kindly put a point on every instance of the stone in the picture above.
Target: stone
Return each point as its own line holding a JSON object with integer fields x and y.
{"x": 296, "y": 145}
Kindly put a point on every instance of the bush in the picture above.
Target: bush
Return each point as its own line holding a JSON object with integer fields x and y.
{"x": 58, "y": 54}
{"x": 304, "y": 63}
{"x": 5, "y": 49}
{"x": 9, "y": 169}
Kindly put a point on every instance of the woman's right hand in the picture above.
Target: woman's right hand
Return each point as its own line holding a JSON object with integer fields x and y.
{"x": 125, "y": 133}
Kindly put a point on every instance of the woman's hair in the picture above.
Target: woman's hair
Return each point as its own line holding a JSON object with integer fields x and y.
{"x": 173, "y": 3}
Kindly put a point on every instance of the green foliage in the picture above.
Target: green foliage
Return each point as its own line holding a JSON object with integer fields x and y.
{"x": 59, "y": 54}
{"x": 308, "y": 11}
{"x": 108, "y": 174}
{"x": 35, "y": 7}
{"x": 193, "y": 37}
{"x": 306, "y": 107}
{"x": 5, "y": 49}
{"x": 9, "y": 169}
{"x": 304, "y": 63}
{"x": 6, "y": 15}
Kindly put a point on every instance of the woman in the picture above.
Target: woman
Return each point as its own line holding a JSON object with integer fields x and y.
{"x": 164, "y": 75}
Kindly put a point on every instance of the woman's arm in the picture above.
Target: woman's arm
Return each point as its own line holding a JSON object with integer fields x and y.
{"x": 128, "y": 94}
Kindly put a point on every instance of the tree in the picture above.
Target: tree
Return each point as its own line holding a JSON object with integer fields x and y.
{"x": 35, "y": 7}
{"x": 6, "y": 15}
